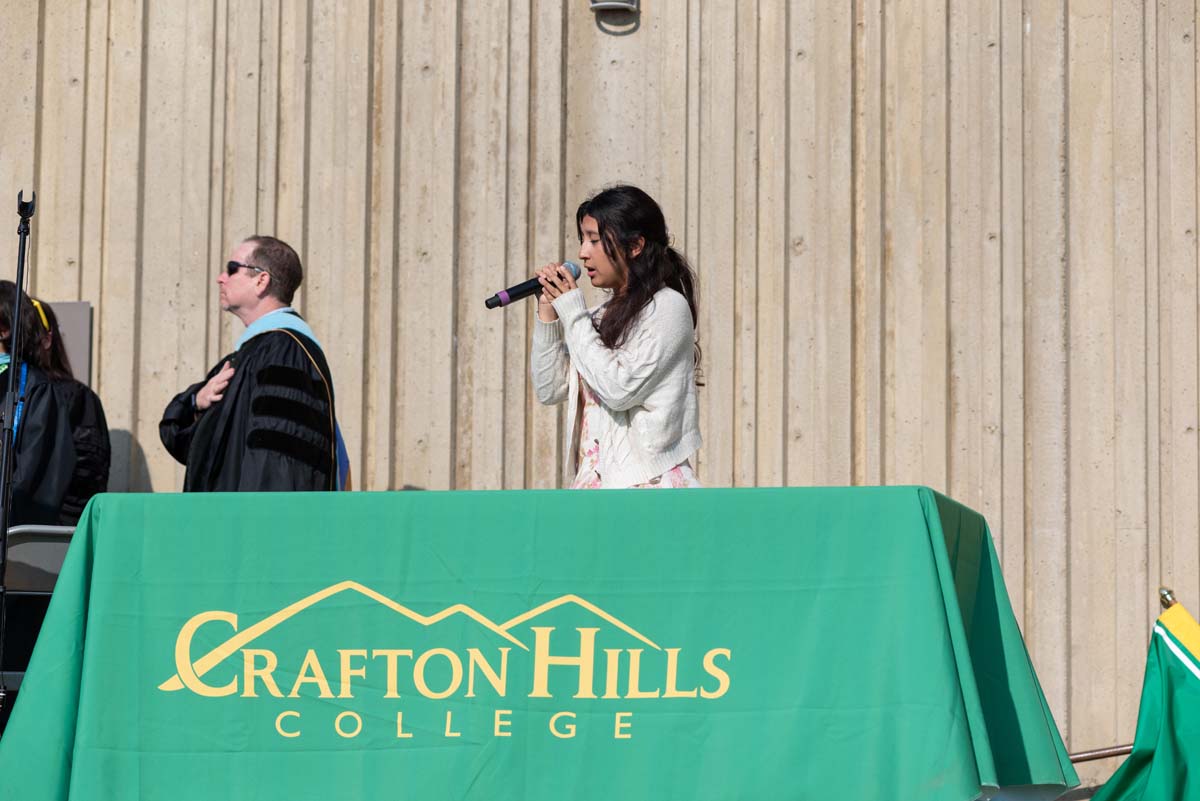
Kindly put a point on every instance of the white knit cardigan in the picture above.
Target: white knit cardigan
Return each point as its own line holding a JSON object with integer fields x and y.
{"x": 646, "y": 387}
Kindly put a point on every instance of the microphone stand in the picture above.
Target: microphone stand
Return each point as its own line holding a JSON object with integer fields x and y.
{"x": 8, "y": 432}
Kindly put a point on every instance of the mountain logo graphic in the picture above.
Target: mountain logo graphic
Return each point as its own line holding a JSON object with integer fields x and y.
{"x": 245, "y": 637}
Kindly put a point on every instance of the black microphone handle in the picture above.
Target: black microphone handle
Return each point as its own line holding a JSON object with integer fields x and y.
{"x": 519, "y": 292}
{"x": 527, "y": 288}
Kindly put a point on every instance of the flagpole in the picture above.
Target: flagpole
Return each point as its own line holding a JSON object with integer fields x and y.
{"x": 1166, "y": 598}
{"x": 1102, "y": 753}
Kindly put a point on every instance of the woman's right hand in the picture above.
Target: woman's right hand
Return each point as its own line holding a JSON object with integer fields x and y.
{"x": 545, "y": 310}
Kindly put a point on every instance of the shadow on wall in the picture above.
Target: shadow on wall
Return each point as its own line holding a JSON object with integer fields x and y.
{"x": 618, "y": 23}
{"x": 130, "y": 472}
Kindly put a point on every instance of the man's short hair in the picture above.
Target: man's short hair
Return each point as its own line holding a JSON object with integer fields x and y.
{"x": 281, "y": 262}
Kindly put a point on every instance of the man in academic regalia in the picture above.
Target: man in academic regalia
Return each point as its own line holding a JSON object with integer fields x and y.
{"x": 263, "y": 419}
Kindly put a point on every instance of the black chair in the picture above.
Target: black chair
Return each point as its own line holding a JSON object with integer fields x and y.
{"x": 35, "y": 557}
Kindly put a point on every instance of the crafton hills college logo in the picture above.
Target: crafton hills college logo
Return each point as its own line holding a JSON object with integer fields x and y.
{"x": 374, "y": 680}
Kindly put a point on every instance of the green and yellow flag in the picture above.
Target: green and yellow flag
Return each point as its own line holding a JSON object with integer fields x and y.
{"x": 1165, "y": 763}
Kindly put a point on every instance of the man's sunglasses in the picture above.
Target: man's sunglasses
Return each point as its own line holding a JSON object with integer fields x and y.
{"x": 232, "y": 267}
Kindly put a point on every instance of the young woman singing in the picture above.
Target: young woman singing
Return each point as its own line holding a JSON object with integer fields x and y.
{"x": 628, "y": 367}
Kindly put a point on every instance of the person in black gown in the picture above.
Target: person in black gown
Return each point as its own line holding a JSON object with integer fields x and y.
{"x": 263, "y": 418}
{"x": 44, "y": 448}
{"x": 92, "y": 456}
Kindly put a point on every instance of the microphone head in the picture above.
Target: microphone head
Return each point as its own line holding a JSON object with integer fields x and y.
{"x": 574, "y": 269}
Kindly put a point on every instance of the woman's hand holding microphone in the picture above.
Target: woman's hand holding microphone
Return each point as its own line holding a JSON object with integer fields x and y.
{"x": 555, "y": 280}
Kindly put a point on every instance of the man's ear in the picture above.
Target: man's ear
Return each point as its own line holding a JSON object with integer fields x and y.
{"x": 264, "y": 283}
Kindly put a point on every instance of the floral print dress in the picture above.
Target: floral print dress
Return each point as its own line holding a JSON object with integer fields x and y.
{"x": 588, "y": 476}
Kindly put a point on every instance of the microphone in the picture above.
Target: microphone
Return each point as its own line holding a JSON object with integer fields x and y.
{"x": 526, "y": 288}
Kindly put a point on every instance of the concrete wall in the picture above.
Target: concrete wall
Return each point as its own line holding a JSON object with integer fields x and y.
{"x": 951, "y": 243}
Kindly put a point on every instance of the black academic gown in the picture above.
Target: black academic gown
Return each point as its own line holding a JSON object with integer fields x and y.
{"x": 273, "y": 429}
{"x": 44, "y": 453}
{"x": 93, "y": 451}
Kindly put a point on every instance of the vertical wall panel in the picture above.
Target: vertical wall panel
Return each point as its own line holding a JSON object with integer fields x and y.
{"x": 175, "y": 233}
{"x": 935, "y": 210}
{"x": 547, "y": 209}
{"x": 1047, "y": 628}
{"x": 1132, "y": 592}
{"x": 218, "y": 329}
{"x": 1150, "y": 263}
{"x": 690, "y": 229}
{"x": 871, "y": 245}
{"x": 95, "y": 147}
{"x": 745, "y": 243}
{"x": 118, "y": 315}
{"x": 671, "y": 127}
{"x": 519, "y": 261}
{"x": 914, "y": 195}
{"x": 772, "y": 295}
{"x": 714, "y": 255}
{"x": 1180, "y": 455}
{"x": 986, "y": 48}
{"x": 1091, "y": 372}
{"x": 339, "y": 195}
{"x": 429, "y": 70}
{"x": 375, "y": 438}
{"x": 974, "y": 279}
{"x": 945, "y": 243}
{"x": 60, "y": 167}
{"x": 1009, "y": 526}
{"x": 819, "y": 245}
{"x": 20, "y": 98}
{"x": 240, "y": 140}
{"x": 291, "y": 158}
{"x": 483, "y": 175}
{"x": 198, "y": 262}
{"x": 269, "y": 50}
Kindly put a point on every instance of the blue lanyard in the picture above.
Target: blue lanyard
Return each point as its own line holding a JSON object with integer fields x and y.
{"x": 20, "y": 400}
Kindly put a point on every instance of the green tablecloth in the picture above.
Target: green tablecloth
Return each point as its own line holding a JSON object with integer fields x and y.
{"x": 701, "y": 644}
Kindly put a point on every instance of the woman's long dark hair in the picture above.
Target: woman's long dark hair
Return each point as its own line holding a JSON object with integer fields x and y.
{"x": 624, "y": 215}
{"x": 31, "y": 324}
{"x": 55, "y": 362}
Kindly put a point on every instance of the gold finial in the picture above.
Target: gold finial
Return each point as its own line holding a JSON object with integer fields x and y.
{"x": 1166, "y": 597}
